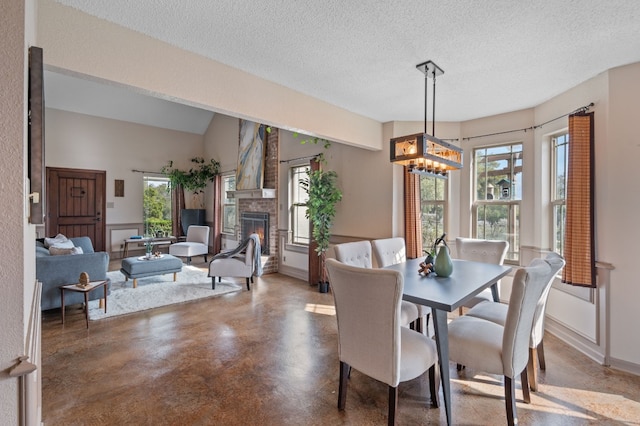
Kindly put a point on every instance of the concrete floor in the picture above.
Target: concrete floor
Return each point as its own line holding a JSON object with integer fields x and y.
{"x": 269, "y": 357}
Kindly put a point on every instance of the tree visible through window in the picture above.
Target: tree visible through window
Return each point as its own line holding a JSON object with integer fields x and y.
{"x": 156, "y": 206}
{"x": 433, "y": 207}
{"x": 498, "y": 193}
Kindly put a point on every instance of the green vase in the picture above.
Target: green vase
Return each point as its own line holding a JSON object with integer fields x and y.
{"x": 443, "y": 266}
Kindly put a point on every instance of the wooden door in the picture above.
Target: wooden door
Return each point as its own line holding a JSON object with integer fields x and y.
{"x": 76, "y": 204}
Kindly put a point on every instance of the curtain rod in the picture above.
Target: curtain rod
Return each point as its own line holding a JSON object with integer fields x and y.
{"x": 537, "y": 126}
{"x": 308, "y": 157}
{"x": 145, "y": 171}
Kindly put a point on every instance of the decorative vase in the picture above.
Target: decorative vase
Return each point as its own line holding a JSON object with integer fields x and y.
{"x": 443, "y": 266}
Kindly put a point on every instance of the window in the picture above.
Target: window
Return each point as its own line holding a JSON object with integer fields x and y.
{"x": 228, "y": 205}
{"x": 560, "y": 158}
{"x": 156, "y": 214}
{"x": 498, "y": 193}
{"x": 433, "y": 207}
{"x": 298, "y": 220}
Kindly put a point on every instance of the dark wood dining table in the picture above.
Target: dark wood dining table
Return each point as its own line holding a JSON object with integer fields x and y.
{"x": 444, "y": 295}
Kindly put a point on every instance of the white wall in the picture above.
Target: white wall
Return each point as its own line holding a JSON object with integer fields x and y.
{"x": 17, "y": 268}
{"x": 118, "y": 147}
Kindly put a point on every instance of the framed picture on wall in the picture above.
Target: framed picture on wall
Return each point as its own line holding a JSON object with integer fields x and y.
{"x": 250, "y": 171}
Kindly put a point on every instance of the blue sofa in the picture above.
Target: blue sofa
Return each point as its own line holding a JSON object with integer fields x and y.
{"x": 54, "y": 271}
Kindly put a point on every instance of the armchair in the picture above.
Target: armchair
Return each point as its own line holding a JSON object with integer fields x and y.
{"x": 236, "y": 263}
{"x": 197, "y": 244}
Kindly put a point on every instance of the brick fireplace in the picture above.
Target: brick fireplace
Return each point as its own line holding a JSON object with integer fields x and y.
{"x": 266, "y": 206}
{"x": 256, "y": 223}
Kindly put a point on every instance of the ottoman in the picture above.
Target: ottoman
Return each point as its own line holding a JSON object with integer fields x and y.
{"x": 139, "y": 267}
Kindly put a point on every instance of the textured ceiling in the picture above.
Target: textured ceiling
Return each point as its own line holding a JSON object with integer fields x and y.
{"x": 498, "y": 56}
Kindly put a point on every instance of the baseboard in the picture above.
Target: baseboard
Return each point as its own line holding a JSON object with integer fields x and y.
{"x": 626, "y": 366}
{"x": 298, "y": 273}
{"x": 575, "y": 340}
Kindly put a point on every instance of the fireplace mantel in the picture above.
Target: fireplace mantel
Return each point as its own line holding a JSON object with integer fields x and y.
{"x": 252, "y": 193}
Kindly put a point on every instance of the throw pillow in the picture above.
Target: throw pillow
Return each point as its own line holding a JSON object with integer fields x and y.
{"x": 48, "y": 242}
{"x": 58, "y": 251}
{"x": 66, "y": 244}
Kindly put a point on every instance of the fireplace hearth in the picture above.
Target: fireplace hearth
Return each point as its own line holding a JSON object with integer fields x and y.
{"x": 256, "y": 223}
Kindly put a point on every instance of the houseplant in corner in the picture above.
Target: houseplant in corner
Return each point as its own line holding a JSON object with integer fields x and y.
{"x": 194, "y": 180}
{"x": 322, "y": 189}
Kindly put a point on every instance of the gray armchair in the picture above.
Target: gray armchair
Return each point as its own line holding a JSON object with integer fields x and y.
{"x": 54, "y": 271}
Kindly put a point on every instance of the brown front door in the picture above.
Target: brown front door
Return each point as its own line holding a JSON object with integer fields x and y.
{"x": 76, "y": 204}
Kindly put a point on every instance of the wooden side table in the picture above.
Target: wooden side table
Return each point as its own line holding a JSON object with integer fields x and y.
{"x": 74, "y": 287}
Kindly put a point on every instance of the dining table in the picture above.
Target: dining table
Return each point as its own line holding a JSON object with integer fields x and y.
{"x": 447, "y": 294}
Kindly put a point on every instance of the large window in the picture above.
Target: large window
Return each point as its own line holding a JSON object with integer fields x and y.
{"x": 297, "y": 195}
{"x": 498, "y": 193}
{"x": 433, "y": 206}
{"x": 228, "y": 205}
{"x": 156, "y": 214}
{"x": 560, "y": 157}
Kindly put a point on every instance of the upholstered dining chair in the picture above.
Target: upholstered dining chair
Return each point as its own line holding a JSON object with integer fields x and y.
{"x": 497, "y": 312}
{"x": 370, "y": 336}
{"x": 197, "y": 244}
{"x": 486, "y": 346}
{"x": 390, "y": 251}
{"x": 358, "y": 253}
{"x": 477, "y": 250}
{"x": 239, "y": 263}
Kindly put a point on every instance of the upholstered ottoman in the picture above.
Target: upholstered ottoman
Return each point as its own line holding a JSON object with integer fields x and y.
{"x": 138, "y": 267}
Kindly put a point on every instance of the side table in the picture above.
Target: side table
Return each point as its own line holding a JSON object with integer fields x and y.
{"x": 93, "y": 285}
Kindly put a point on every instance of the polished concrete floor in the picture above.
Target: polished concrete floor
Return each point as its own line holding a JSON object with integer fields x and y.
{"x": 269, "y": 357}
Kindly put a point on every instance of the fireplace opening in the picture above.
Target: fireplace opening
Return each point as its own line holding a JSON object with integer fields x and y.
{"x": 256, "y": 223}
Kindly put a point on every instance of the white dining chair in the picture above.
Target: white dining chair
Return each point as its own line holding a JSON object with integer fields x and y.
{"x": 497, "y": 312}
{"x": 358, "y": 253}
{"x": 391, "y": 251}
{"x": 370, "y": 336}
{"x": 483, "y": 345}
{"x": 478, "y": 250}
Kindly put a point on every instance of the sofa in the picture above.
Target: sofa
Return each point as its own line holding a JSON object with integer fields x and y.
{"x": 56, "y": 270}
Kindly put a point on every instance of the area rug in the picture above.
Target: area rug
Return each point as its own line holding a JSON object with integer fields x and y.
{"x": 160, "y": 290}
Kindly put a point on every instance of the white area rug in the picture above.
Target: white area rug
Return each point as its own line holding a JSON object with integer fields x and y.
{"x": 160, "y": 290}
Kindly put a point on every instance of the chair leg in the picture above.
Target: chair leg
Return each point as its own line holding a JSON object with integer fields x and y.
{"x": 188, "y": 260}
{"x": 434, "y": 385}
{"x": 460, "y": 311}
{"x": 342, "y": 387}
{"x": 540, "y": 350}
{"x": 248, "y": 287}
{"x": 213, "y": 283}
{"x": 526, "y": 396}
{"x": 510, "y": 401}
{"x": 412, "y": 325}
{"x": 532, "y": 370}
{"x": 219, "y": 279}
{"x": 205, "y": 258}
{"x": 426, "y": 324}
{"x": 251, "y": 279}
{"x": 393, "y": 405}
{"x": 418, "y": 323}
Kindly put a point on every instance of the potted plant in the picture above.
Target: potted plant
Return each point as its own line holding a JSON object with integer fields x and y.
{"x": 322, "y": 189}
{"x": 194, "y": 180}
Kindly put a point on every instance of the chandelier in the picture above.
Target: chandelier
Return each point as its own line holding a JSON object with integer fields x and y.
{"x": 423, "y": 153}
